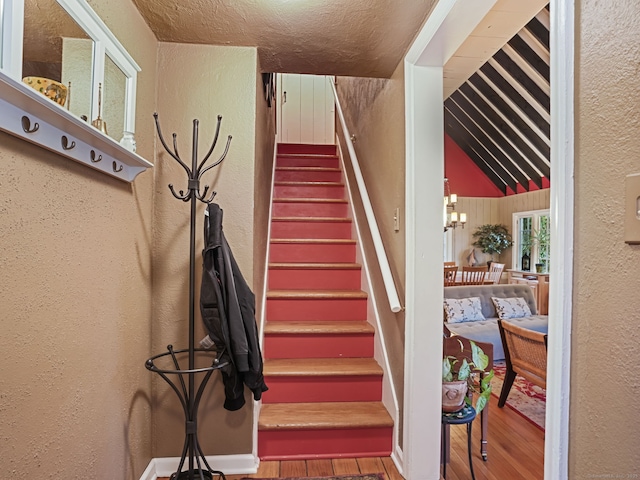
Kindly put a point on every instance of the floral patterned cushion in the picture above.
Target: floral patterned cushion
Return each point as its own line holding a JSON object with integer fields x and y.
{"x": 516, "y": 307}
{"x": 458, "y": 310}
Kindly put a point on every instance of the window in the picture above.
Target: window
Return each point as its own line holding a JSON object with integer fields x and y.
{"x": 531, "y": 240}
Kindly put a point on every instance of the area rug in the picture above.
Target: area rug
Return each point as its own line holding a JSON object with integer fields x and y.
{"x": 527, "y": 399}
{"x": 366, "y": 476}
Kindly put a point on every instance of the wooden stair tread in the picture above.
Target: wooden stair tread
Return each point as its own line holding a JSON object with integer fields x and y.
{"x": 315, "y": 294}
{"x": 321, "y": 367}
{"x": 322, "y": 241}
{"x": 308, "y": 169}
{"x": 309, "y": 200}
{"x": 309, "y": 184}
{"x": 312, "y": 219}
{"x": 315, "y": 266}
{"x": 324, "y": 415}
{"x": 317, "y": 327}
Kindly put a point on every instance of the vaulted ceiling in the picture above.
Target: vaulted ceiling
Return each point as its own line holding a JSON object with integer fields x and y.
{"x": 500, "y": 116}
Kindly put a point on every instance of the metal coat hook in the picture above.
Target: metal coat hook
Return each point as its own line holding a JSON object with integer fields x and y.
{"x": 182, "y": 196}
{"x": 26, "y": 125}
{"x": 115, "y": 167}
{"x": 194, "y": 174}
{"x": 202, "y": 196}
{"x": 65, "y": 143}
{"x": 93, "y": 157}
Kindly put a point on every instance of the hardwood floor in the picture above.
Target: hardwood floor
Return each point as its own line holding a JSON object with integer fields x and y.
{"x": 515, "y": 451}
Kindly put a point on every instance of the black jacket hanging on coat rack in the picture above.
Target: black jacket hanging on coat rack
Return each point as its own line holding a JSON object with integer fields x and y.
{"x": 227, "y": 305}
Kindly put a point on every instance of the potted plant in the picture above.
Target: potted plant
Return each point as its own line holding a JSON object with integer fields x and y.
{"x": 492, "y": 239}
{"x": 459, "y": 377}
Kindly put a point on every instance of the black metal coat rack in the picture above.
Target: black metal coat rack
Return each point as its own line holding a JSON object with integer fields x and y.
{"x": 189, "y": 393}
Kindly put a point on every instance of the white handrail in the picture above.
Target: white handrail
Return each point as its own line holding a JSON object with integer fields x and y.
{"x": 387, "y": 277}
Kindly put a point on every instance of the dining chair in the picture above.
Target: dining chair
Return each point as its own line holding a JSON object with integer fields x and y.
{"x": 450, "y": 275}
{"x": 495, "y": 272}
{"x": 450, "y": 264}
{"x": 525, "y": 354}
{"x": 473, "y": 275}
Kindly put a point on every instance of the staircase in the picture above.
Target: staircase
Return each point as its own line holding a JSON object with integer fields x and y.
{"x": 325, "y": 388}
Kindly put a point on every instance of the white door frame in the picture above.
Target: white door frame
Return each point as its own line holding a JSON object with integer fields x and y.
{"x": 447, "y": 26}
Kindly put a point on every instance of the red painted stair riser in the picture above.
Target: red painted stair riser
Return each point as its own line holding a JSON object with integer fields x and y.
{"x": 309, "y": 209}
{"x": 312, "y": 253}
{"x": 318, "y": 346}
{"x": 325, "y": 162}
{"x": 306, "y": 149}
{"x": 336, "y": 443}
{"x": 314, "y": 279}
{"x": 309, "y": 191}
{"x": 307, "y": 176}
{"x": 310, "y": 230}
{"x": 309, "y": 389}
{"x": 316, "y": 309}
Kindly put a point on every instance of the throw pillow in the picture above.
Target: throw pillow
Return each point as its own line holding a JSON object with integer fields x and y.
{"x": 458, "y": 310}
{"x": 516, "y": 307}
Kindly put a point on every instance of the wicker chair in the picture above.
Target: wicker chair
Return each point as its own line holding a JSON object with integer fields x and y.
{"x": 525, "y": 355}
{"x": 473, "y": 275}
{"x": 450, "y": 275}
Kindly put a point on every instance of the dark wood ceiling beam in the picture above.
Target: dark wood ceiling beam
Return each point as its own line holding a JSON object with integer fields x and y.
{"x": 539, "y": 31}
{"x": 483, "y": 111}
{"x": 531, "y": 57}
{"x": 505, "y": 87}
{"x": 523, "y": 79}
{"x": 467, "y": 142}
{"x": 512, "y": 158}
{"x": 491, "y": 153}
{"x": 534, "y": 136}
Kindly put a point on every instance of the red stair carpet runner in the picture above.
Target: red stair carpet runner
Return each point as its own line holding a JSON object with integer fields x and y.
{"x": 325, "y": 388}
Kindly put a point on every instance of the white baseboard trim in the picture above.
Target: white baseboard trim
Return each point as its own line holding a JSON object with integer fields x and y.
{"x": 397, "y": 457}
{"x": 244, "y": 464}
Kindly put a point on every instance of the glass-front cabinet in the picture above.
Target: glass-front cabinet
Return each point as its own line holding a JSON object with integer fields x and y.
{"x": 68, "y": 85}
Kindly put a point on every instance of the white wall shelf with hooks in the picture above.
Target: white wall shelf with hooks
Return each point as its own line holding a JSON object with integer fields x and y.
{"x": 27, "y": 114}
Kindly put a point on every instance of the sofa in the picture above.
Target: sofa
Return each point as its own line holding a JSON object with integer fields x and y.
{"x": 477, "y": 320}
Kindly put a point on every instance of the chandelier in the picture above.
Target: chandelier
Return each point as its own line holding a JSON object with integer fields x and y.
{"x": 450, "y": 216}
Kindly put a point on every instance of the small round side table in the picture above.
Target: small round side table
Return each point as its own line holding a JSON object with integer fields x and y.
{"x": 461, "y": 417}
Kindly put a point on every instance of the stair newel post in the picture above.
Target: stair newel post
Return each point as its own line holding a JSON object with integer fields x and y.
{"x": 189, "y": 398}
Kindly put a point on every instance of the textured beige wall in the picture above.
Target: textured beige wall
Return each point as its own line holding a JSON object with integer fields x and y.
{"x": 76, "y": 301}
{"x": 604, "y": 433}
{"x": 201, "y": 82}
{"x": 374, "y": 112}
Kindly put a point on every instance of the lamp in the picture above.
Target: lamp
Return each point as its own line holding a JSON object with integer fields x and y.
{"x": 450, "y": 216}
